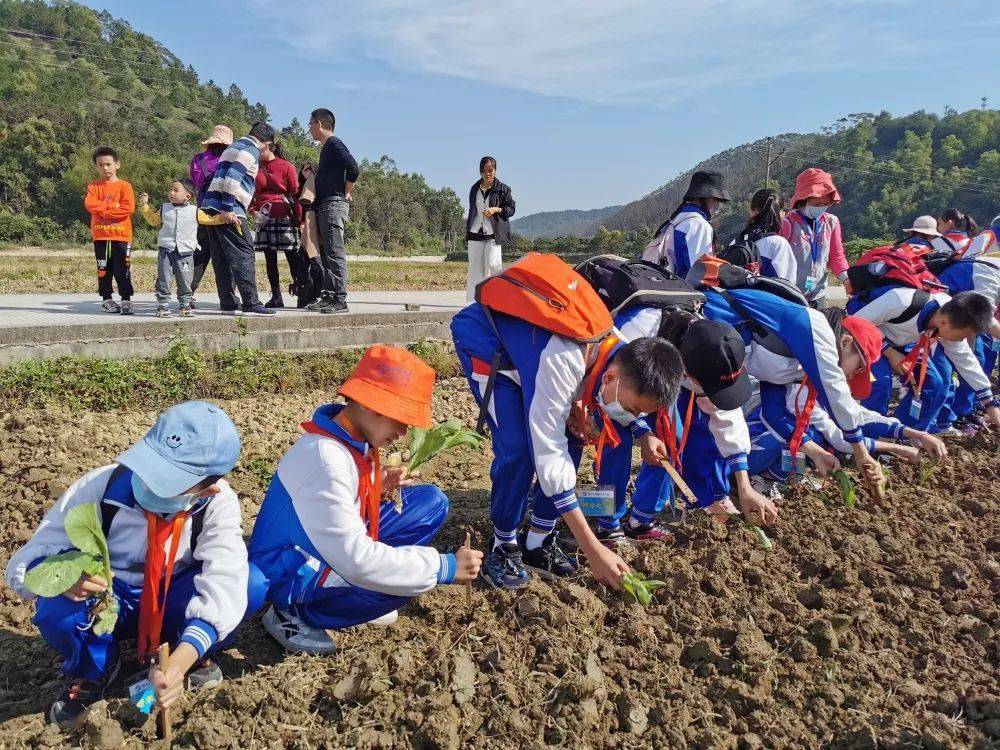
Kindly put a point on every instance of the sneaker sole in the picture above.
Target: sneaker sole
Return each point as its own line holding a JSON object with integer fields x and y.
{"x": 501, "y": 587}
{"x": 69, "y": 726}
{"x": 548, "y": 575}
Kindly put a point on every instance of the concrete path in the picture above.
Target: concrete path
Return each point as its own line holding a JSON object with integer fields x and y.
{"x": 43, "y": 326}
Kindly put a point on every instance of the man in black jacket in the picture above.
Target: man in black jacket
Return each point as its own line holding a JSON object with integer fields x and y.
{"x": 487, "y": 226}
{"x": 335, "y": 177}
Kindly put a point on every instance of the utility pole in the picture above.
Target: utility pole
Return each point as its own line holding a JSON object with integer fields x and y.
{"x": 984, "y": 100}
{"x": 767, "y": 167}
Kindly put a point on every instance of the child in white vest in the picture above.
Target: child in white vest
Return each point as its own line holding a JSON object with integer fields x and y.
{"x": 177, "y": 241}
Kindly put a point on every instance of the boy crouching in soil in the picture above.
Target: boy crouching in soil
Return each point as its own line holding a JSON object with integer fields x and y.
{"x": 179, "y": 564}
{"x": 335, "y": 553}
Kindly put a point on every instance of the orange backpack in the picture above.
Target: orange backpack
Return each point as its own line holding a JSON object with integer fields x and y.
{"x": 544, "y": 290}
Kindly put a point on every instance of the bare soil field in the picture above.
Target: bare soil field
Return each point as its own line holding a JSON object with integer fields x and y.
{"x": 875, "y": 627}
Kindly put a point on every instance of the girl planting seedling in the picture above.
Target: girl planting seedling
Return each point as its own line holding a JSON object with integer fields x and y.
{"x": 149, "y": 548}
{"x": 336, "y": 552}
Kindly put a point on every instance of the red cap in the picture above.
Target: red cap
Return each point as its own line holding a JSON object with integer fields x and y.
{"x": 814, "y": 183}
{"x": 868, "y": 338}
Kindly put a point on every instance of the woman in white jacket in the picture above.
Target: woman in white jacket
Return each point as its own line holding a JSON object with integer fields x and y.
{"x": 763, "y": 231}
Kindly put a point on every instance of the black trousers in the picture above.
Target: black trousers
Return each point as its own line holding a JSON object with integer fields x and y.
{"x": 202, "y": 257}
{"x": 113, "y": 262}
{"x": 273, "y": 277}
{"x": 233, "y": 261}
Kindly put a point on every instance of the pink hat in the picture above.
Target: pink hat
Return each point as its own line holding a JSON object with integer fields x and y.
{"x": 814, "y": 183}
{"x": 220, "y": 134}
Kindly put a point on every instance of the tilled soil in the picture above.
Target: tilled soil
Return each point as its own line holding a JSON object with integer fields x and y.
{"x": 863, "y": 628}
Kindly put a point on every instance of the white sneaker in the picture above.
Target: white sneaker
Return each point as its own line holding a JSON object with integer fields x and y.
{"x": 948, "y": 432}
{"x": 385, "y": 620}
{"x": 295, "y": 635}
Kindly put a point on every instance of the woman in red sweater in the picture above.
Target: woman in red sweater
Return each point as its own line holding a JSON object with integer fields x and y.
{"x": 276, "y": 210}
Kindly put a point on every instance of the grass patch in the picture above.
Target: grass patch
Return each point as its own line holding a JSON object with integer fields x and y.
{"x": 25, "y": 274}
{"x": 186, "y": 373}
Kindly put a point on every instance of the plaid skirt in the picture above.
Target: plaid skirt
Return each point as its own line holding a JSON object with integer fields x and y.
{"x": 277, "y": 234}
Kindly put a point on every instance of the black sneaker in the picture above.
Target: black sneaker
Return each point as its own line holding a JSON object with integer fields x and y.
{"x": 614, "y": 539}
{"x": 205, "y": 674}
{"x": 334, "y": 307}
{"x": 504, "y": 569}
{"x": 275, "y": 302}
{"x": 548, "y": 560}
{"x": 258, "y": 309}
{"x": 319, "y": 303}
{"x": 77, "y": 696}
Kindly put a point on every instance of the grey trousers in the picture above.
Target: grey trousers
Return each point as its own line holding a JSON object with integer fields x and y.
{"x": 171, "y": 265}
{"x": 331, "y": 216}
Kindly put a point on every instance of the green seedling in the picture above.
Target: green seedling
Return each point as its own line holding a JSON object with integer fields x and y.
{"x": 56, "y": 574}
{"x": 757, "y": 531}
{"x": 925, "y": 472}
{"x": 640, "y": 587}
{"x": 426, "y": 444}
{"x": 847, "y": 490}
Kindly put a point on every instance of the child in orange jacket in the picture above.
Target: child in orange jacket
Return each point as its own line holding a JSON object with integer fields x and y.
{"x": 110, "y": 203}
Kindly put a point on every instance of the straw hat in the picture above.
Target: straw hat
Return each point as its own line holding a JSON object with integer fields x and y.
{"x": 220, "y": 134}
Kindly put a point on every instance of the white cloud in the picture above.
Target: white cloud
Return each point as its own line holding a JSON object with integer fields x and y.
{"x": 624, "y": 52}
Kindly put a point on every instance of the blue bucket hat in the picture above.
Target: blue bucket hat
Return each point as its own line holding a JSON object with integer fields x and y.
{"x": 189, "y": 443}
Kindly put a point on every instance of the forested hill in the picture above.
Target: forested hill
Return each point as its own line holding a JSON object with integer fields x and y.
{"x": 888, "y": 170}
{"x": 72, "y": 78}
{"x": 572, "y": 223}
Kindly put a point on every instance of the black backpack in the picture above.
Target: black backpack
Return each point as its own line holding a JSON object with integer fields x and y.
{"x": 622, "y": 284}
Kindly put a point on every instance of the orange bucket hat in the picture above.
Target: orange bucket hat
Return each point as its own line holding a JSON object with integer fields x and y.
{"x": 394, "y": 383}
{"x": 814, "y": 183}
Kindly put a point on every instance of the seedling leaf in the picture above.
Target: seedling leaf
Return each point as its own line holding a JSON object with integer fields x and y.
{"x": 847, "y": 489}
{"x": 640, "y": 587}
{"x": 57, "y": 573}
{"x": 926, "y": 471}
{"x": 425, "y": 444}
{"x": 84, "y": 528}
{"x": 107, "y": 617}
{"x": 757, "y": 531}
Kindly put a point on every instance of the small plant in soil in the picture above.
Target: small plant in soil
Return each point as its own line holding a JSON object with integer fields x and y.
{"x": 426, "y": 444}
{"x": 847, "y": 490}
{"x": 757, "y": 531}
{"x": 640, "y": 587}
{"x": 925, "y": 472}
{"x": 56, "y": 574}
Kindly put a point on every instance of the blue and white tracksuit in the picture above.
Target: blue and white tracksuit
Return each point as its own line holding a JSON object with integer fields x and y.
{"x": 540, "y": 377}
{"x": 211, "y": 591}
{"x": 888, "y": 303}
{"x": 717, "y": 444}
{"x": 985, "y": 243}
{"x": 982, "y": 276}
{"x": 311, "y": 544}
{"x": 679, "y": 242}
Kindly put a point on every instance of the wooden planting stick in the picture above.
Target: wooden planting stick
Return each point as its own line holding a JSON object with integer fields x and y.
{"x": 679, "y": 482}
{"x": 468, "y": 585}
{"x": 166, "y": 731}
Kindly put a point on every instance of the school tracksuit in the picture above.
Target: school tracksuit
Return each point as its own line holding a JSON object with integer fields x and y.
{"x": 211, "y": 590}
{"x": 717, "y": 444}
{"x": 887, "y": 303}
{"x": 313, "y": 547}
{"x": 679, "y": 242}
{"x": 540, "y": 376}
{"x": 953, "y": 241}
{"x": 980, "y": 275}
{"x": 985, "y": 243}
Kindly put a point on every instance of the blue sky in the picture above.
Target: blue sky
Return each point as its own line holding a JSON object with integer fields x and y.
{"x": 584, "y": 104}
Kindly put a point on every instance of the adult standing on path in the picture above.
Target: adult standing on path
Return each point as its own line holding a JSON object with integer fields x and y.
{"x": 487, "y": 227}
{"x": 201, "y": 171}
{"x": 335, "y": 177}
{"x": 275, "y": 203}
{"x": 228, "y": 232}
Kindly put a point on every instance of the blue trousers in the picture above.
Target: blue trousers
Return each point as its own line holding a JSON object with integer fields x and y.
{"x": 63, "y": 623}
{"x": 932, "y": 398}
{"x": 513, "y": 469}
{"x": 296, "y": 584}
{"x": 703, "y": 467}
{"x": 965, "y": 396}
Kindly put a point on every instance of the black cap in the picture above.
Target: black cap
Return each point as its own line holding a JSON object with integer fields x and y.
{"x": 713, "y": 355}
{"x": 707, "y": 185}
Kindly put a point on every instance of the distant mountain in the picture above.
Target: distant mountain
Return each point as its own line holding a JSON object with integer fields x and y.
{"x": 573, "y": 223}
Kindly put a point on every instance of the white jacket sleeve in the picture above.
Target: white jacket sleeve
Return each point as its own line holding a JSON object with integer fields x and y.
{"x": 561, "y": 370}
{"x": 221, "y": 587}
{"x": 698, "y": 236}
{"x": 886, "y": 307}
{"x": 843, "y": 409}
{"x": 326, "y": 504}
{"x": 50, "y": 537}
{"x": 979, "y": 245}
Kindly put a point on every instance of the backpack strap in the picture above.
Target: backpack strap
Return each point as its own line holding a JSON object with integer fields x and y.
{"x": 762, "y": 335}
{"x": 491, "y": 381}
{"x": 197, "y": 523}
{"x": 920, "y": 298}
{"x": 110, "y": 510}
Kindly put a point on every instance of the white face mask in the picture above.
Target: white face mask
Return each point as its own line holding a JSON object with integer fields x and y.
{"x": 615, "y": 411}
{"x": 814, "y": 212}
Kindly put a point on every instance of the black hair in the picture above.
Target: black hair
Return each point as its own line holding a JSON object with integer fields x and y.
{"x": 653, "y": 367}
{"x": 487, "y": 160}
{"x": 960, "y": 220}
{"x": 104, "y": 151}
{"x": 216, "y": 148}
{"x": 324, "y": 117}
{"x": 969, "y": 310}
{"x": 277, "y": 149}
{"x": 835, "y": 317}
{"x": 768, "y": 204}
{"x": 674, "y": 324}
{"x": 187, "y": 184}
{"x": 262, "y": 131}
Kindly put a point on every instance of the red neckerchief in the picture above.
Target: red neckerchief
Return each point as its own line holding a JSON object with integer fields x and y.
{"x": 667, "y": 428}
{"x": 608, "y": 434}
{"x": 802, "y": 417}
{"x": 908, "y": 365}
{"x": 158, "y": 569}
{"x": 369, "y": 489}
